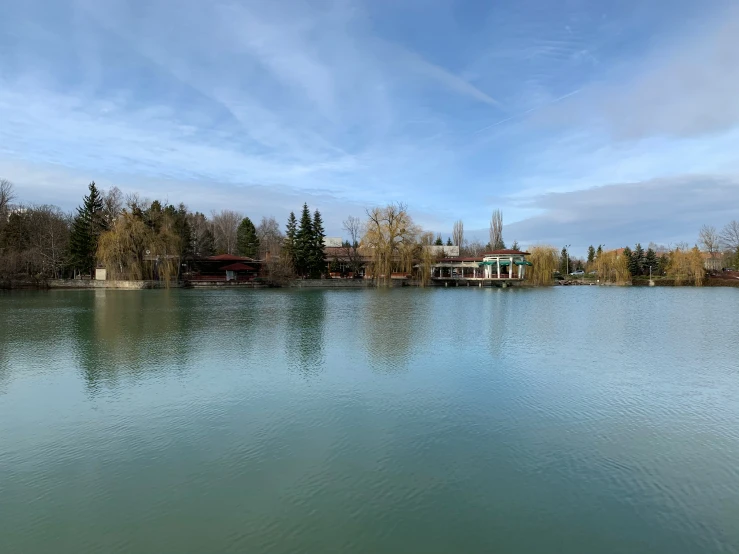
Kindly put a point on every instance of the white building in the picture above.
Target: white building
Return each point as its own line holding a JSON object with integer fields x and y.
{"x": 333, "y": 242}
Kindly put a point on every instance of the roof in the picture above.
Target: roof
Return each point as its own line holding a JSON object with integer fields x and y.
{"x": 506, "y": 252}
{"x": 462, "y": 259}
{"x": 237, "y": 267}
{"x": 229, "y": 258}
{"x": 483, "y": 255}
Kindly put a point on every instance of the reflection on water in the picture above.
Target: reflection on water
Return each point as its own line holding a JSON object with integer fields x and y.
{"x": 392, "y": 321}
{"x": 119, "y": 335}
{"x": 304, "y": 320}
{"x": 454, "y": 420}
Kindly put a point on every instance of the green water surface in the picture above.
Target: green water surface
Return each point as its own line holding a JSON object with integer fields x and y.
{"x": 573, "y": 420}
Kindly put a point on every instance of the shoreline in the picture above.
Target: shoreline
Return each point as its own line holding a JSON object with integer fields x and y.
{"x": 86, "y": 284}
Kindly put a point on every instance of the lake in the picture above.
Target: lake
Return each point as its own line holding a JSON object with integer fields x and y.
{"x": 571, "y": 419}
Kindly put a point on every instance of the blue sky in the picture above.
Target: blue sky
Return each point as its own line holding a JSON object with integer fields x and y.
{"x": 584, "y": 121}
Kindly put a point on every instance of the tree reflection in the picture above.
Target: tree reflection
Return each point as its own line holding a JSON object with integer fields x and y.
{"x": 305, "y": 330}
{"x": 122, "y": 335}
{"x": 392, "y": 318}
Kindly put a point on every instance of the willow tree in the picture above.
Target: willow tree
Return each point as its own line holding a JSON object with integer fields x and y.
{"x": 131, "y": 250}
{"x": 544, "y": 260}
{"x": 613, "y": 267}
{"x": 123, "y": 247}
{"x": 427, "y": 259}
{"x": 391, "y": 239}
{"x": 686, "y": 266}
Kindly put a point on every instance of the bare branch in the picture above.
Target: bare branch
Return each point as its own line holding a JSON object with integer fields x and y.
{"x": 7, "y": 195}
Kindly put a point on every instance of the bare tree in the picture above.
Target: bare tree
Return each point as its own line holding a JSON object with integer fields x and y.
{"x": 270, "y": 238}
{"x": 36, "y": 241}
{"x": 49, "y": 238}
{"x": 202, "y": 242}
{"x": 6, "y": 194}
{"x": 112, "y": 205}
{"x": 708, "y": 239}
{"x": 458, "y": 233}
{"x": 730, "y": 236}
{"x": 474, "y": 248}
{"x": 225, "y": 230}
{"x": 353, "y": 227}
{"x": 496, "y": 231}
{"x": 135, "y": 204}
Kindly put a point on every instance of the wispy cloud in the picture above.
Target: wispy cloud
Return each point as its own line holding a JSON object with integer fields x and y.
{"x": 352, "y": 103}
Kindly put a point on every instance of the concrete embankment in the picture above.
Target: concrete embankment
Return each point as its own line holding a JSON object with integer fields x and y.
{"x": 335, "y": 283}
{"x": 121, "y": 285}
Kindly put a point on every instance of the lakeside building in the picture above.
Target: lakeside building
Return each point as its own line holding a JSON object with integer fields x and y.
{"x": 225, "y": 267}
{"x": 498, "y": 265}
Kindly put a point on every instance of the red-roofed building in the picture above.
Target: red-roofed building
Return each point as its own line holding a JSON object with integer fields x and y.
{"x": 228, "y": 258}
{"x": 225, "y": 267}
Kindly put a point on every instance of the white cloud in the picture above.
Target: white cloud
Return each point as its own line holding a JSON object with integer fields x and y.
{"x": 665, "y": 210}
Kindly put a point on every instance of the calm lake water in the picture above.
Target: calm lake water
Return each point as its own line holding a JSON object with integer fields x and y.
{"x": 578, "y": 420}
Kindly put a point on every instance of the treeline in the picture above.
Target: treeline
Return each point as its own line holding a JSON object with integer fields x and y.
{"x": 133, "y": 238}
{"x": 682, "y": 263}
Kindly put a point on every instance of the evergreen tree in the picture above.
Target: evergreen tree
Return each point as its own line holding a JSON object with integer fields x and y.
{"x": 207, "y": 244}
{"x": 153, "y": 216}
{"x": 179, "y": 226}
{"x": 202, "y": 242}
{"x": 88, "y": 224}
{"x": 636, "y": 262}
{"x": 650, "y": 260}
{"x": 316, "y": 256}
{"x": 599, "y": 251}
{"x": 15, "y": 233}
{"x": 627, "y": 254}
{"x": 438, "y": 241}
{"x": 564, "y": 261}
{"x": 449, "y": 241}
{"x": 515, "y": 245}
{"x": 247, "y": 241}
{"x": 591, "y": 254}
{"x": 304, "y": 242}
{"x": 291, "y": 232}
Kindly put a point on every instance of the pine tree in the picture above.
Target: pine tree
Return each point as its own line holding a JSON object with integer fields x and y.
{"x": 515, "y": 245}
{"x": 591, "y": 254}
{"x": 449, "y": 241}
{"x": 153, "y": 216}
{"x": 207, "y": 245}
{"x": 438, "y": 241}
{"x": 247, "y": 241}
{"x": 304, "y": 242}
{"x": 627, "y": 254}
{"x": 88, "y": 224}
{"x": 599, "y": 251}
{"x": 636, "y": 261}
{"x": 650, "y": 260}
{"x": 291, "y": 231}
{"x": 316, "y": 256}
{"x": 176, "y": 217}
{"x": 564, "y": 261}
